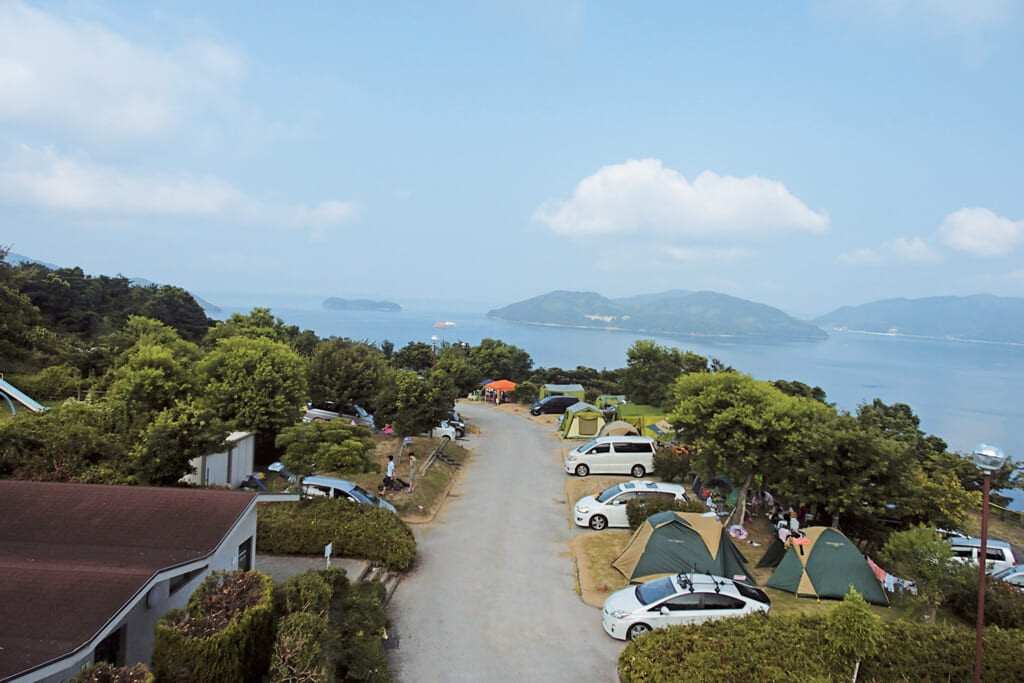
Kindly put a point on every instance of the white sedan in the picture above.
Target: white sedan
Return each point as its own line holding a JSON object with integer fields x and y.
{"x": 675, "y": 600}
{"x": 608, "y": 508}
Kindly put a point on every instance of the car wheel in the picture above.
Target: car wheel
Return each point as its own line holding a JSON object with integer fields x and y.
{"x": 598, "y": 522}
{"x": 637, "y": 630}
{"x": 582, "y": 470}
{"x": 459, "y": 433}
{"x": 637, "y": 471}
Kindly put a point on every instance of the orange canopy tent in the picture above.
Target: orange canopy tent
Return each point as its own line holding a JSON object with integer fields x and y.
{"x": 502, "y": 385}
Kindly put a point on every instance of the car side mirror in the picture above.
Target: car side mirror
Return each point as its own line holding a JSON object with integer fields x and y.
{"x": 664, "y": 611}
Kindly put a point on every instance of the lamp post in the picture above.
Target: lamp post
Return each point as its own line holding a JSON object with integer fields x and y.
{"x": 988, "y": 458}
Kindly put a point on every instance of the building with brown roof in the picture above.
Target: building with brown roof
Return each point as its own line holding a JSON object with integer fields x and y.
{"x": 87, "y": 570}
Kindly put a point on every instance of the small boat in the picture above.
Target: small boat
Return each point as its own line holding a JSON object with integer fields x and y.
{"x": 445, "y": 324}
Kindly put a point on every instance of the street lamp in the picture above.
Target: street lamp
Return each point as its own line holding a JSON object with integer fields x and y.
{"x": 433, "y": 351}
{"x": 988, "y": 458}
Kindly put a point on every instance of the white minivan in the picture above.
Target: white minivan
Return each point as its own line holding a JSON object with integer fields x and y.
{"x": 612, "y": 455}
{"x": 998, "y": 554}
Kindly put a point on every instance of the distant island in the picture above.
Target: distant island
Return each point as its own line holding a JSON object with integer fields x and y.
{"x": 982, "y": 317}
{"x": 673, "y": 313}
{"x": 335, "y": 304}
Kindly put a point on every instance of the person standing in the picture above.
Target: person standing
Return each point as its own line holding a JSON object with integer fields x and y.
{"x": 412, "y": 472}
{"x": 389, "y": 477}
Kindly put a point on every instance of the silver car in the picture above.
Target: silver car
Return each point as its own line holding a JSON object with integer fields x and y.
{"x": 608, "y": 508}
{"x": 329, "y": 487}
{"x": 675, "y": 600}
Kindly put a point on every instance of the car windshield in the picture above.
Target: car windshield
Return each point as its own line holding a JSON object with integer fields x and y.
{"x": 586, "y": 447}
{"x": 608, "y": 493}
{"x": 656, "y": 590}
{"x": 752, "y": 593}
{"x": 359, "y": 490}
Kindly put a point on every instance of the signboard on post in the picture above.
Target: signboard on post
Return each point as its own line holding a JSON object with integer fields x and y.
{"x": 328, "y": 549}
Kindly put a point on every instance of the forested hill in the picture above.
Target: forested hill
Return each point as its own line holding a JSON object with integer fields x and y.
{"x": 982, "y": 317}
{"x": 673, "y": 313}
{"x": 336, "y": 304}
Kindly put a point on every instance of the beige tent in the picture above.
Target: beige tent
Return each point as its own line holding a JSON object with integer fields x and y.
{"x": 619, "y": 428}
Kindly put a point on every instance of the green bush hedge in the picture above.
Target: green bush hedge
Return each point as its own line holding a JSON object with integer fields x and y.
{"x": 330, "y": 630}
{"x": 671, "y": 465}
{"x": 639, "y": 509}
{"x": 794, "y": 648}
{"x": 306, "y": 526}
{"x": 225, "y": 633}
{"x": 1004, "y": 604}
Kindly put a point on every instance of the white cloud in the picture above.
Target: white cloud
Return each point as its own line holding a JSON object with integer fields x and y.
{"x": 325, "y": 215}
{"x": 79, "y": 75}
{"x": 861, "y": 256}
{"x": 981, "y": 232}
{"x": 696, "y": 255}
{"x": 910, "y": 249}
{"x": 44, "y": 178}
{"x": 644, "y": 197}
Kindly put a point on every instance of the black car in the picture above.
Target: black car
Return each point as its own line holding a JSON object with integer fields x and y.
{"x": 458, "y": 422}
{"x": 553, "y": 404}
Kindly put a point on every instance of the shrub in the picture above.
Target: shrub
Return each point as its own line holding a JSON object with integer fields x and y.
{"x": 672, "y": 463}
{"x": 639, "y": 509}
{"x": 1004, "y": 604}
{"x": 312, "y": 592}
{"x": 306, "y": 526}
{"x": 525, "y": 392}
{"x": 225, "y": 633}
{"x": 302, "y": 650}
{"x": 108, "y": 673}
{"x": 56, "y": 382}
{"x": 362, "y": 656}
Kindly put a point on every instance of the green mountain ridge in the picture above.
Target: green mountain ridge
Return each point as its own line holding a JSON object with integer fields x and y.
{"x": 337, "y": 304}
{"x": 672, "y": 313}
{"x": 980, "y": 317}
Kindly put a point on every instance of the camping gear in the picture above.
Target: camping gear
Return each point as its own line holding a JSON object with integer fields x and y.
{"x": 562, "y": 390}
{"x": 581, "y": 421}
{"x": 738, "y": 532}
{"x": 827, "y": 565}
{"x": 671, "y": 542}
{"x": 644, "y": 418}
{"x": 606, "y": 401}
{"x": 619, "y": 428}
{"x": 776, "y": 551}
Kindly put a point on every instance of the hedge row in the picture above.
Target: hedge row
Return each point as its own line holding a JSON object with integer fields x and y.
{"x": 225, "y": 632}
{"x": 639, "y": 509}
{"x": 306, "y": 526}
{"x": 330, "y": 630}
{"x": 795, "y": 648}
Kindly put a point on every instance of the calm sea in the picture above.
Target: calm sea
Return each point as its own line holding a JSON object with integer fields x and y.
{"x": 964, "y": 393}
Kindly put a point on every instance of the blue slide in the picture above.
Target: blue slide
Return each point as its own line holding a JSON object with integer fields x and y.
{"x": 12, "y": 391}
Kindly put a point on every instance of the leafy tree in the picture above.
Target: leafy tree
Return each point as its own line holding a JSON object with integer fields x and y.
{"x": 796, "y": 388}
{"x": 494, "y": 359}
{"x": 923, "y": 556}
{"x": 346, "y": 371}
{"x": 255, "y": 384}
{"x": 19, "y": 318}
{"x": 176, "y": 308}
{"x": 174, "y": 437}
{"x": 853, "y": 631}
{"x": 737, "y": 424}
{"x": 260, "y": 322}
{"x": 651, "y": 369}
{"x": 413, "y": 405}
{"x": 418, "y": 356}
{"x": 453, "y": 360}
{"x": 71, "y": 442}
{"x": 327, "y": 447}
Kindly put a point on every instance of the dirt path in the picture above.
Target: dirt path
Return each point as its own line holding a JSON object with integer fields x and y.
{"x": 493, "y": 595}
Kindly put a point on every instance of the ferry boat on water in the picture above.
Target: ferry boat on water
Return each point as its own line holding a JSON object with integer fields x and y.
{"x": 445, "y": 324}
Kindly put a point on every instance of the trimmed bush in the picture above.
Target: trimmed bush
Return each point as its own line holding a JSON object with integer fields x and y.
{"x": 302, "y": 651}
{"x": 672, "y": 465}
{"x": 306, "y": 526}
{"x": 794, "y": 648}
{"x": 225, "y": 633}
{"x": 362, "y": 656}
{"x": 108, "y": 673}
{"x": 313, "y": 591}
{"x": 639, "y": 509}
{"x": 1004, "y": 604}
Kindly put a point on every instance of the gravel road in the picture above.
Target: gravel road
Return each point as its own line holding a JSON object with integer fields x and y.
{"x": 493, "y": 594}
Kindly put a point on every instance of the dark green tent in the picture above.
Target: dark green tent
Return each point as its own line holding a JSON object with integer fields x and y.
{"x": 671, "y": 542}
{"x": 776, "y": 551}
{"x": 825, "y": 564}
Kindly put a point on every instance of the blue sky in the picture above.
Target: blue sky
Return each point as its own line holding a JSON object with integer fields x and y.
{"x": 806, "y": 155}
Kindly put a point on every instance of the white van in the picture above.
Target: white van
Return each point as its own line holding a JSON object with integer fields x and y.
{"x": 612, "y": 455}
{"x": 998, "y": 554}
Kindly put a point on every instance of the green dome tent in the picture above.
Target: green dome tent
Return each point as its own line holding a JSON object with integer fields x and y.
{"x": 671, "y": 542}
{"x": 581, "y": 421}
{"x": 826, "y": 565}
